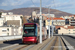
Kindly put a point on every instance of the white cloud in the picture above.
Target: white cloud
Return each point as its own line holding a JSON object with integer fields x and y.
{"x": 3, "y": 4}
{"x": 32, "y": 6}
{"x": 19, "y": 2}
{"x": 62, "y": 4}
{"x": 13, "y": 2}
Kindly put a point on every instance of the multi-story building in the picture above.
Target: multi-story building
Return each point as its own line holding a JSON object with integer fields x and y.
{"x": 5, "y": 31}
{"x": 55, "y": 22}
{"x": 72, "y": 20}
{"x": 13, "y": 17}
{"x": 3, "y": 14}
{"x": 65, "y": 17}
{"x": 58, "y": 21}
{"x": 65, "y": 29}
{"x": 10, "y": 22}
{"x": 1, "y": 21}
{"x": 10, "y": 30}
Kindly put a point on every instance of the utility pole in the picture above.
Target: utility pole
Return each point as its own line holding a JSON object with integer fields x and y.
{"x": 40, "y": 21}
{"x": 49, "y": 23}
{"x": 52, "y": 28}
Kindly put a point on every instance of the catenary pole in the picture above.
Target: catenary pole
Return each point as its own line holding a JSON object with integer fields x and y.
{"x": 40, "y": 21}
{"x": 52, "y": 28}
{"x": 49, "y": 23}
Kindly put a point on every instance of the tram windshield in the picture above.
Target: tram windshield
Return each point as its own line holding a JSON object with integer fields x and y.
{"x": 28, "y": 31}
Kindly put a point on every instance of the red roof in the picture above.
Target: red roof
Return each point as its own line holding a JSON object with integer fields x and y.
{"x": 58, "y": 27}
{"x": 58, "y": 19}
{"x": 68, "y": 27}
{"x": 29, "y": 23}
{"x": 72, "y": 15}
{"x": 53, "y": 18}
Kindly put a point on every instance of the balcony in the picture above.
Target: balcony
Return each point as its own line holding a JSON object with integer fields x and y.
{"x": 72, "y": 21}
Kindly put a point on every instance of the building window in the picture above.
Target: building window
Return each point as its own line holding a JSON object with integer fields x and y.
{"x": 69, "y": 30}
{"x": 8, "y": 29}
{"x": 8, "y": 34}
{"x": 60, "y": 22}
{"x": 3, "y": 30}
{"x": 73, "y": 30}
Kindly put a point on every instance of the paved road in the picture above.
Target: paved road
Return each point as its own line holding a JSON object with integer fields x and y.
{"x": 70, "y": 39}
{"x": 10, "y": 43}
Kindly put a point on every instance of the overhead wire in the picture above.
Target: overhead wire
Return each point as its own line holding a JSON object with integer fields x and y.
{"x": 33, "y": 3}
{"x": 54, "y": 4}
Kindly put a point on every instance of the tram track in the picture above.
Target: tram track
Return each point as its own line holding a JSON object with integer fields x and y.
{"x": 54, "y": 44}
{"x": 31, "y": 46}
{"x": 21, "y": 46}
{"x": 60, "y": 44}
{"x": 15, "y": 47}
{"x": 52, "y": 48}
{"x": 46, "y": 45}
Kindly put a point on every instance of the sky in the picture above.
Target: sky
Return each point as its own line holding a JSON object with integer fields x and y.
{"x": 63, "y": 5}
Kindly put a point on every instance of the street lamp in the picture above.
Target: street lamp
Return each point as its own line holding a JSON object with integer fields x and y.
{"x": 40, "y": 21}
{"x": 52, "y": 28}
{"x": 49, "y": 24}
{"x": 48, "y": 20}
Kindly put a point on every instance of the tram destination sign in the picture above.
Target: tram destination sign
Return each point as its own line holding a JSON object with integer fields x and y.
{"x": 29, "y": 25}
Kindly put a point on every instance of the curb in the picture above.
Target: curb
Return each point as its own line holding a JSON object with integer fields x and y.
{"x": 67, "y": 45}
{"x": 8, "y": 46}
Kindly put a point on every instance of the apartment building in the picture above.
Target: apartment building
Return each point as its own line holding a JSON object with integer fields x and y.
{"x": 10, "y": 17}
{"x": 5, "y": 31}
{"x": 72, "y": 20}
{"x": 65, "y": 17}
{"x": 55, "y": 22}
{"x": 13, "y": 17}
{"x": 58, "y": 21}
{"x": 10, "y": 30}
{"x": 10, "y": 24}
{"x": 65, "y": 29}
{"x": 1, "y": 21}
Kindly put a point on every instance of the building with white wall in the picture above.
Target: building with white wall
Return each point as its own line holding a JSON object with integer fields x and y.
{"x": 3, "y": 14}
{"x": 1, "y": 21}
{"x": 65, "y": 17}
{"x": 4, "y": 31}
{"x": 65, "y": 29}
{"x": 12, "y": 22}
{"x": 13, "y": 17}
{"x": 10, "y": 30}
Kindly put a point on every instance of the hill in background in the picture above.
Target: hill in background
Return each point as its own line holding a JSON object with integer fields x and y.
{"x": 28, "y": 11}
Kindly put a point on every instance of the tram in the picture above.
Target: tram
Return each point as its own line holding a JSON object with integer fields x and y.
{"x": 30, "y": 33}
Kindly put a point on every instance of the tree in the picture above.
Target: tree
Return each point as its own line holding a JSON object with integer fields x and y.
{"x": 21, "y": 19}
{"x": 0, "y": 14}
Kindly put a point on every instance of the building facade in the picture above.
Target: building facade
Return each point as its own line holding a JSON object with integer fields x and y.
{"x": 1, "y": 21}
{"x": 72, "y": 20}
{"x": 55, "y": 22}
{"x": 9, "y": 30}
{"x": 65, "y": 29}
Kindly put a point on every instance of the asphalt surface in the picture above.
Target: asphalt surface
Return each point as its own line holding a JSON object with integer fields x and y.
{"x": 70, "y": 39}
{"x": 7, "y": 43}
